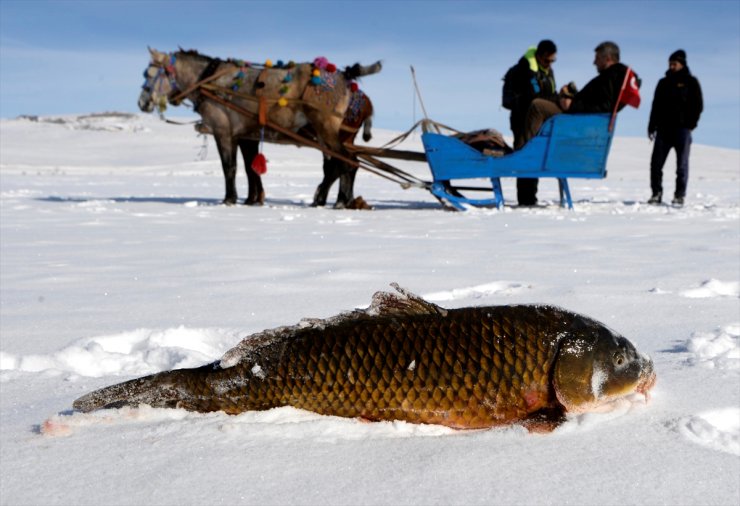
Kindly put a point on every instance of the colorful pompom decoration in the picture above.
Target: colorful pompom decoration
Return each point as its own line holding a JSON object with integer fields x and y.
{"x": 331, "y": 68}
{"x": 353, "y": 87}
{"x": 320, "y": 62}
{"x": 268, "y": 64}
{"x": 288, "y": 78}
{"x": 282, "y": 102}
{"x": 238, "y": 81}
{"x": 316, "y": 80}
{"x": 279, "y": 64}
{"x": 316, "y": 72}
{"x": 259, "y": 164}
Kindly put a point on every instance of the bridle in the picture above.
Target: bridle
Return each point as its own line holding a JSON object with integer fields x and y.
{"x": 160, "y": 82}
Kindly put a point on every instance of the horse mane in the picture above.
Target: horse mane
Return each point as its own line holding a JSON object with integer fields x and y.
{"x": 194, "y": 53}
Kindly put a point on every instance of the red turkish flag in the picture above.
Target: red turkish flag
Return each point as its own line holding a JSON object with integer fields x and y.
{"x": 630, "y": 93}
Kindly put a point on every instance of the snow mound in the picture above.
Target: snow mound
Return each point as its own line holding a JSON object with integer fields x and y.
{"x": 718, "y": 429}
{"x": 101, "y": 122}
{"x": 478, "y": 291}
{"x": 603, "y": 414}
{"x": 714, "y": 288}
{"x": 139, "y": 352}
{"x": 719, "y": 349}
{"x": 278, "y": 423}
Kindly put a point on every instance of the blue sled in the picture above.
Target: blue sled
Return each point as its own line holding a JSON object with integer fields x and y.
{"x": 567, "y": 145}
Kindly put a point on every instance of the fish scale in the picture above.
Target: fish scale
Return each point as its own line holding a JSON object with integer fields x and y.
{"x": 372, "y": 378}
{"x": 403, "y": 359}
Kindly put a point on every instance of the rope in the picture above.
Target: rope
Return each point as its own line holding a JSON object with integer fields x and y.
{"x": 187, "y": 91}
{"x": 418, "y": 93}
{"x": 203, "y": 153}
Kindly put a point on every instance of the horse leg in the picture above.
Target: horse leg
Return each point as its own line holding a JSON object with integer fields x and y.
{"x": 256, "y": 193}
{"x": 346, "y": 196}
{"x": 227, "y": 152}
{"x": 330, "y": 175}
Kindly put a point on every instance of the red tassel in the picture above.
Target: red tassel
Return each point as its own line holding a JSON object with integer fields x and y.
{"x": 259, "y": 164}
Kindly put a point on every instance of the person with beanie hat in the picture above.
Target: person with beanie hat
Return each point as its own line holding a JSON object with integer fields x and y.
{"x": 679, "y": 56}
{"x": 677, "y": 105}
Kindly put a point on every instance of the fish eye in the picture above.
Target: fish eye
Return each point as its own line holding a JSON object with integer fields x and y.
{"x": 619, "y": 359}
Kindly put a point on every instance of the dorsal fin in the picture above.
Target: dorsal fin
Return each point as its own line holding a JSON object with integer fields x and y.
{"x": 402, "y": 303}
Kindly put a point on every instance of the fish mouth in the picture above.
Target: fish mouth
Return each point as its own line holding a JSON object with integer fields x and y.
{"x": 647, "y": 380}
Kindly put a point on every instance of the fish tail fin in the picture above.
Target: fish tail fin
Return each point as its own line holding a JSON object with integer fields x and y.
{"x": 171, "y": 389}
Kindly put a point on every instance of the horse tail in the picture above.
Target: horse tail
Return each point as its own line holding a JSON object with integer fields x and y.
{"x": 171, "y": 389}
{"x": 367, "y": 126}
{"x": 367, "y": 112}
{"x": 358, "y": 70}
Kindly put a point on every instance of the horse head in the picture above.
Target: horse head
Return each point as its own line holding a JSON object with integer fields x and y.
{"x": 159, "y": 82}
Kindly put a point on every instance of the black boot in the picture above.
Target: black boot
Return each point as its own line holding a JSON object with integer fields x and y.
{"x": 656, "y": 198}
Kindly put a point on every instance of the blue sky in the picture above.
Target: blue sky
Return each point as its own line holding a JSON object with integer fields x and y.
{"x": 71, "y": 57}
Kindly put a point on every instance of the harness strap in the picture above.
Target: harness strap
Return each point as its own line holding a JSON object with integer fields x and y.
{"x": 263, "y": 111}
{"x": 187, "y": 91}
{"x": 255, "y": 98}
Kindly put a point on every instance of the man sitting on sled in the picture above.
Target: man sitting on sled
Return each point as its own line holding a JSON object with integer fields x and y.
{"x": 615, "y": 86}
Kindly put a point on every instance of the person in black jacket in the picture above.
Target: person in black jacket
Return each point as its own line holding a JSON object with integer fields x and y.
{"x": 677, "y": 106}
{"x": 532, "y": 77}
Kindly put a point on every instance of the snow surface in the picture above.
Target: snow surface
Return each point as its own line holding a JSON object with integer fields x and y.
{"x": 117, "y": 260}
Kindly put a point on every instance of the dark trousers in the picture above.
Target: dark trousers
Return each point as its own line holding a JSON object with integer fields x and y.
{"x": 680, "y": 140}
{"x": 539, "y": 111}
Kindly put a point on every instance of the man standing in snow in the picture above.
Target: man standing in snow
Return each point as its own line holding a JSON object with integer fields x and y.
{"x": 532, "y": 77}
{"x": 677, "y": 106}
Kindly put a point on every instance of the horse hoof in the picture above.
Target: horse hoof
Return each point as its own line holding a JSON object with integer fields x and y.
{"x": 229, "y": 202}
{"x": 359, "y": 203}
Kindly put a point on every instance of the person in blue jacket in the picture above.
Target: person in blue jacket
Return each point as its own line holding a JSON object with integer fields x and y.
{"x": 677, "y": 105}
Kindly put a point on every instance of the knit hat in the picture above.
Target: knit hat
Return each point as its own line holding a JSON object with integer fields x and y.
{"x": 679, "y": 56}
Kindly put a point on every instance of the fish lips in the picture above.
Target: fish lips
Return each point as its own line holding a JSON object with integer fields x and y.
{"x": 647, "y": 379}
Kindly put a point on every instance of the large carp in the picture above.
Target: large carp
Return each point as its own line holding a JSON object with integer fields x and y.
{"x": 405, "y": 358}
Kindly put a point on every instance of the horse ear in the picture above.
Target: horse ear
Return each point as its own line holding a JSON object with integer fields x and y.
{"x": 157, "y": 57}
{"x": 154, "y": 54}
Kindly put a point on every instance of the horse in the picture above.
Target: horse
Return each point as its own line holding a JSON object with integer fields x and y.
{"x": 243, "y": 104}
{"x": 359, "y": 114}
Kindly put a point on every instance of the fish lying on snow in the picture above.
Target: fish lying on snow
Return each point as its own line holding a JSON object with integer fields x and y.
{"x": 405, "y": 358}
